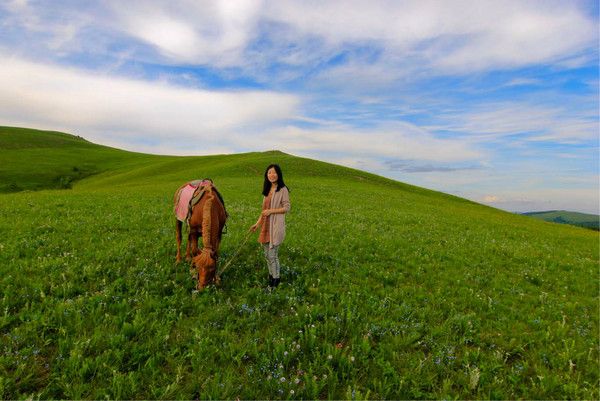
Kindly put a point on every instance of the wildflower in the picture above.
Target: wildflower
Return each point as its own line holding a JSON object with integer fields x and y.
{"x": 292, "y": 392}
{"x": 324, "y": 376}
{"x": 282, "y": 379}
{"x": 285, "y": 353}
{"x": 329, "y": 357}
{"x": 351, "y": 359}
{"x": 297, "y": 380}
{"x": 297, "y": 346}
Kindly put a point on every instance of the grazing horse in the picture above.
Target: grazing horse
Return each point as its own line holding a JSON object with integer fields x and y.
{"x": 207, "y": 220}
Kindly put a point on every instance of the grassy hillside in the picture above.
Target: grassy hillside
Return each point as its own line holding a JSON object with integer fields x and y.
{"x": 388, "y": 291}
{"x": 33, "y": 159}
{"x": 563, "y": 217}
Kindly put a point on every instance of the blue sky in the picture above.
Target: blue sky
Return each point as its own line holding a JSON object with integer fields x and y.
{"x": 494, "y": 101}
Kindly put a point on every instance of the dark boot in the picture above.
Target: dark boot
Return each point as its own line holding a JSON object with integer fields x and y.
{"x": 276, "y": 281}
{"x": 271, "y": 280}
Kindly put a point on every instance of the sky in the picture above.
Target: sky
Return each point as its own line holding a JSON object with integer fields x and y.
{"x": 493, "y": 101}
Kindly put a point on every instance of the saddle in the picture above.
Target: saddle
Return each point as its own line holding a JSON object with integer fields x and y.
{"x": 189, "y": 196}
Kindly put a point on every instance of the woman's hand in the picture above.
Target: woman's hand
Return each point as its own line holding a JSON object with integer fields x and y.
{"x": 267, "y": 212}
{"x": 254, "y": 227}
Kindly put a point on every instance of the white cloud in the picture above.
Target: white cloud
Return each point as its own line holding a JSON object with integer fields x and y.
{"x": 198, "y": 32}
{"x": 54, "y": 97}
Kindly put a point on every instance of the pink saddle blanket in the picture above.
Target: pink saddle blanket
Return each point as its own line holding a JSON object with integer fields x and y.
{"x": 185, "y": 196}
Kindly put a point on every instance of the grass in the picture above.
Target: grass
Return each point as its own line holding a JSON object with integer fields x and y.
{"x": 388, "y": 291}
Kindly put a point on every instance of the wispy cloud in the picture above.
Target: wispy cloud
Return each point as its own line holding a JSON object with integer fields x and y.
{"x": 413, "y": 36}
{"x": 408, "y": 166}
{"x": 530, "y": 121}
{"x": 585, "y": 200}
{"x": 403, "y": 141}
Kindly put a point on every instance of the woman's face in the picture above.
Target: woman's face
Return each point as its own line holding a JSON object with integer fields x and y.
{"x": 272, "y": 175}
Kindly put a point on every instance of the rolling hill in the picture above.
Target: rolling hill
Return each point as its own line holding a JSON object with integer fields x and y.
{"x": 389, "y": 291}
{"x": 591, "y": 221}
{"x": 35, "y": 159}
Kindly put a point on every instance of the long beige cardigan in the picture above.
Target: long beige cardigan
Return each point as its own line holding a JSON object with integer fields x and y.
{"x": 280, "y": 199}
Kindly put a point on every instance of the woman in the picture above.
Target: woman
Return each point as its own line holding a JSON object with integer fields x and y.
{"x": 276, "y": 204}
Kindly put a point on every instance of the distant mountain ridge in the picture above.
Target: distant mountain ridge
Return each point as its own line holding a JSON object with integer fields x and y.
{"x": 591, "y": 221}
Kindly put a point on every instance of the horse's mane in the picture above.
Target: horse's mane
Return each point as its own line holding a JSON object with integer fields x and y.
{"x": 220, "y": 198}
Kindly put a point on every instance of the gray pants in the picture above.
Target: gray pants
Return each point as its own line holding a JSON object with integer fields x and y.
{"x": 272, "y": 259}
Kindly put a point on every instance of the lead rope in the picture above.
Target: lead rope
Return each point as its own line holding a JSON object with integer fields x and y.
{"x": 218, "y": 276}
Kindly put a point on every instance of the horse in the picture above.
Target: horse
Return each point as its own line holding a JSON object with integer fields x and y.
{"x": 207, "y": 220}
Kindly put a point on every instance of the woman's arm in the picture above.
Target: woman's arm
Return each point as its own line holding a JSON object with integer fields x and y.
{"x": 257, "y": 224}
{"x": 285, "y": 203}
{"x": 269, "y": 212}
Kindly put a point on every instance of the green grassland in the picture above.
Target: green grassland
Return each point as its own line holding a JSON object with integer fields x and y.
{"x": 591, "y": 221}
{"x": 389, "y": 291}
{"x": 34, "y": 159}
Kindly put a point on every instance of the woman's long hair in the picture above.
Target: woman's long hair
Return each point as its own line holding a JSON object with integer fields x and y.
{"x": 267, "y": 183}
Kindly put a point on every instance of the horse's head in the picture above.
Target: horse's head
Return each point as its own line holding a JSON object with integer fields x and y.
{"x": 206, "y": 266}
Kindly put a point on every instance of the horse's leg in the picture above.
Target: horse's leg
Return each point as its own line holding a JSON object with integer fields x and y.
{"x": 189, "y": 248}
{"x": 178, "y": 237}
{"x": 194, "y": 243}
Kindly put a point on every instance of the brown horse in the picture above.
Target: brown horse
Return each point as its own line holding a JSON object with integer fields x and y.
{"x": 207, "y": 220}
